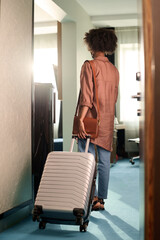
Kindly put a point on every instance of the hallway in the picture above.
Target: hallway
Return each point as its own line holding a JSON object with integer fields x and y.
{"x": 120, "y": 220}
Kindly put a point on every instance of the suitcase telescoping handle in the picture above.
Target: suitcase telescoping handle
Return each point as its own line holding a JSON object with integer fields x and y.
{"x": 74, "y": 136}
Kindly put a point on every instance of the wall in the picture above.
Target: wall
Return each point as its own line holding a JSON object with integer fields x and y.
{"x": 45, "y": 41}
{"x": 15, "y": 103}
{"x": 68, "y": 79}
{"x": 73, "y": 56}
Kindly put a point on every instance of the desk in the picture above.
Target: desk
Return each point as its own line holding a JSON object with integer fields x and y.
{"x": 120, "y": 149}
{"x": 118, "y": 142}
{"x": 119, "y": 126}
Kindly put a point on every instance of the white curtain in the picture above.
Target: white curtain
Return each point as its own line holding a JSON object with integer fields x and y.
{"x": 128, "y": 64}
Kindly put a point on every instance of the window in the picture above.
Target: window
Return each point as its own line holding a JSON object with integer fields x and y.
{"x": 44, "y": 59}
{"x": 127, "y": 61}
{"x": 128, "y": 66}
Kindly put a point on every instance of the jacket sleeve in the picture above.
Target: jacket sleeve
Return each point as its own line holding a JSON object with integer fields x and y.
{"x": 86, "y": 83}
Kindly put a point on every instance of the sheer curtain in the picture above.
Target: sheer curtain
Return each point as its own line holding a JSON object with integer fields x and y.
{"x": 128, "y": 65}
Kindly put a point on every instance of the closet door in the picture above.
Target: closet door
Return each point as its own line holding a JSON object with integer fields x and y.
{"x": 43, "y": 120}
{"x": 15, "y": 102}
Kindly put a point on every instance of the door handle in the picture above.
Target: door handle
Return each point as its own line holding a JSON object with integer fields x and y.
{"x": 139, "y": 112}
{"x": 138, "y": 96}
{"x": 138, "y": 76}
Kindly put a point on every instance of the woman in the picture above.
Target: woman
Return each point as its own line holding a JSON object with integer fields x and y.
{"x": 100, "y": 42}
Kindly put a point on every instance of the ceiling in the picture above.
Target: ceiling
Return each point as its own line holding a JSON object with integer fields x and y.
{"x": 44, "y": 23}
{"x": 112, "y": 13}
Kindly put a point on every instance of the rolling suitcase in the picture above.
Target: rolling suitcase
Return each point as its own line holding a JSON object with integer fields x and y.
{"x": 66, "y": 189}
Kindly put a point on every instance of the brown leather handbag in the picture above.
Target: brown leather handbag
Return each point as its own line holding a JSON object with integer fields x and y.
{"x": 91, "y": 124}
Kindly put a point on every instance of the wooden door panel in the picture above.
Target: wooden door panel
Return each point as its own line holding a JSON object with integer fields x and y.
{"x": 150, "y": 126}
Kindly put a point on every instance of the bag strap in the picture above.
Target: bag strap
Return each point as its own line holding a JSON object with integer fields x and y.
{"x": 96, "y": 92}
{"x": 77, "y": 103}
{"x": 96, "y": 89}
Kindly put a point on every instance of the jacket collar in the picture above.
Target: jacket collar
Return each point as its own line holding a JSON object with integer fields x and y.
{"x": 101, "y": 58}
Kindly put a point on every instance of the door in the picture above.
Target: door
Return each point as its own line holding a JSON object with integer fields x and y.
{"x": 150, "y": 119}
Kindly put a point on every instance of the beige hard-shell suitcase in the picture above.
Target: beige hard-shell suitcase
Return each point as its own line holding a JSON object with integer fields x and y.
{"x": 66, "y": 189}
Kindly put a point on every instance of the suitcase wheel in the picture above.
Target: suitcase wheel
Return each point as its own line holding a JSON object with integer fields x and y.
{"x": 42, "y": 225}
{"x": 35, "y": 218}
{"x": 79, "y": 221}
{"x": 83, "y": 228}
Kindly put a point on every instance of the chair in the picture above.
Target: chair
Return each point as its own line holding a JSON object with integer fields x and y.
{"x": 137, "y": 141}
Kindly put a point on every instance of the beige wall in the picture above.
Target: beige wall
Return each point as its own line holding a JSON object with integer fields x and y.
{"x": 15, "y": 102}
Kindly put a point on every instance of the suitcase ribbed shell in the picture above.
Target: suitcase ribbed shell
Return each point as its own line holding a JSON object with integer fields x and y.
{"x": 66, "y": 184}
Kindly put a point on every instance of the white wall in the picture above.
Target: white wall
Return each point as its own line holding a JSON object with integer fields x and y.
{"x": 74, "y": 53}
{"x": 45, "y": 41}
{"x": 15, "y": 103}
{"x": 83, "y": 23}
{"x": 69, "y": 67}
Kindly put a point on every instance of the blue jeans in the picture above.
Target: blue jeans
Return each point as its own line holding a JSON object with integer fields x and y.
{"x": 103, "y": 167}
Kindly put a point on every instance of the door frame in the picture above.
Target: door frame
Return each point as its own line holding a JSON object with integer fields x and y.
{"x": 150, "y": 126}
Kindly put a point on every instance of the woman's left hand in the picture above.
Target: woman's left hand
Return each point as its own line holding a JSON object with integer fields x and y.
{"x": 82, "y": 133}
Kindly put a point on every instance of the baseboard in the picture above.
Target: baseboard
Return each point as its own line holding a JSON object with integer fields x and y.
{"x": 14, "y": 216}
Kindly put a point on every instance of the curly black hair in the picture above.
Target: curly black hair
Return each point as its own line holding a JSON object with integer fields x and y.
{"x": 101, "y": 40}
